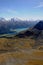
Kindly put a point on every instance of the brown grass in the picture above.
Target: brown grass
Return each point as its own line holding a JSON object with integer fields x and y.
{"x": 23, "y": 56}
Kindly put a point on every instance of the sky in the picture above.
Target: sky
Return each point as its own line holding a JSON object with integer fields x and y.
{"x": 23, "y": 9}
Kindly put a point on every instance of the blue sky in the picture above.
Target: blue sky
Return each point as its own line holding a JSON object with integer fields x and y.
{"x": 23, "y": 9}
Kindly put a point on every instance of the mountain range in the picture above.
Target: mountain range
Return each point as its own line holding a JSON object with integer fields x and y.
{"x": 7, "y": 25}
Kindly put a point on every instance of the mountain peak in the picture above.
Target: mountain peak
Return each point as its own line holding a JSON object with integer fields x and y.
{"x": 39, "y": 25}
{"x": 2, "y": 19}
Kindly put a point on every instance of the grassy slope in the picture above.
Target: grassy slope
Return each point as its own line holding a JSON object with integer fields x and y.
{"x": 19, "y": 52}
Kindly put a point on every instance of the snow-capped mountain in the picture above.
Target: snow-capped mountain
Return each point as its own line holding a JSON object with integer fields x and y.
{"x": 7, "y": 25}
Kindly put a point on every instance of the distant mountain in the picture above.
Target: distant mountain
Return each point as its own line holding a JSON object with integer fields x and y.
{"x": 2, "y": 19}
{"x": 7, "y": 25}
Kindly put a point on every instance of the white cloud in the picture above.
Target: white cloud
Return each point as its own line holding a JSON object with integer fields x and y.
{"x": 40, "y": 4}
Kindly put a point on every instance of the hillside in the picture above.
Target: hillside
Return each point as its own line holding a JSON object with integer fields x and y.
{"x": 24, "y": 48}
{"x": 19, "y": 51}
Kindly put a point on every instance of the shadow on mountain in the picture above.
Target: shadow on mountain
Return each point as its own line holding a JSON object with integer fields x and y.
{"x": 39, "y": 26}
{"x": 24, "y": 34}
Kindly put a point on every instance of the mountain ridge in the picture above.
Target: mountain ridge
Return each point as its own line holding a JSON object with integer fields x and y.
{"x": 7, "y": 25}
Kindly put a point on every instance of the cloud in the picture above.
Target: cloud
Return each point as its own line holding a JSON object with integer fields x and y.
{"x": 40, "y": 4}
{"x": 8, "y": 11}
{"x": 11, "y": 11}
